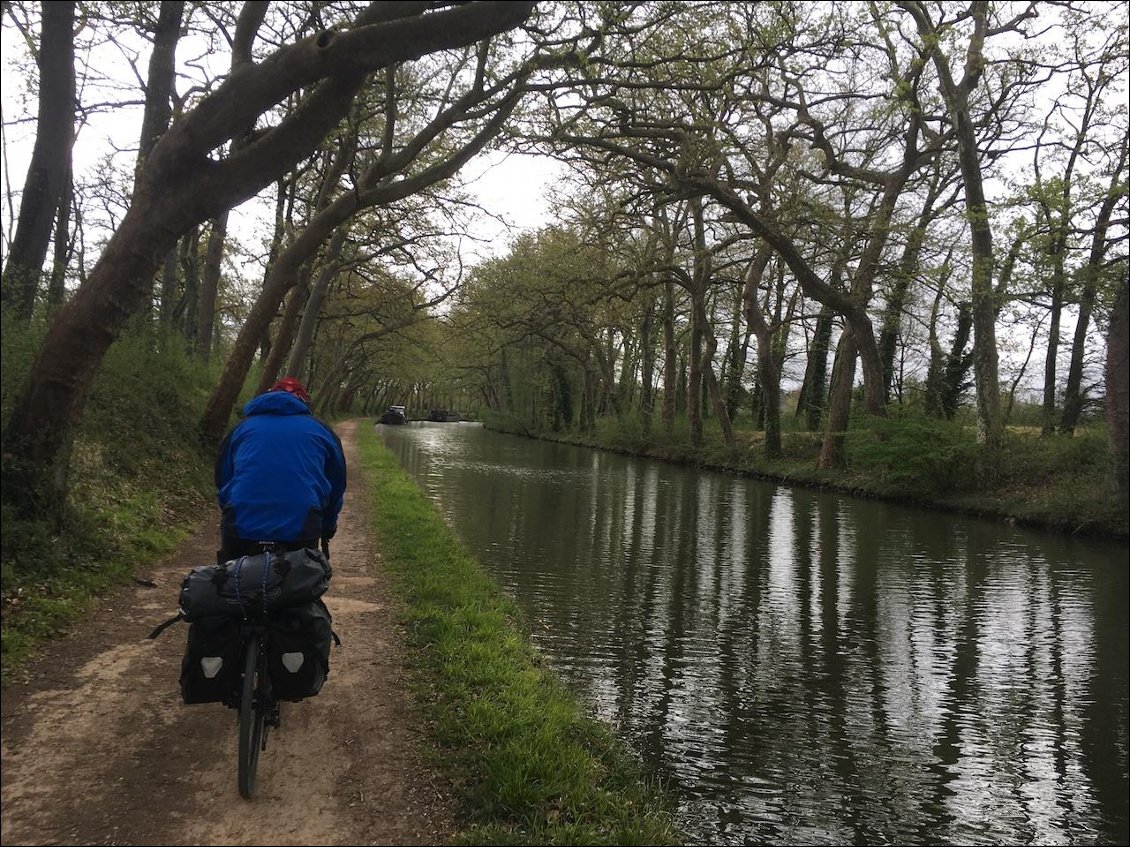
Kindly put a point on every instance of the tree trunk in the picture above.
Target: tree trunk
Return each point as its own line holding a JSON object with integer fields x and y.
{"x": 694, "y": 370}
{"x": 1118, "y": 393}
{"x": 736, "y": 373}
{"x": 700, "y": 280}
{"x": 833, "y": 454}
{"x": 305, "y": 339}
{"x": 813, "y": 399}
{"x": 647, "y": 366}
{"x": 169, "y": 282}
{"x": 1048, "y": 416}
{"x": 768, "y": 370}
{"x": 189, "y": 262}
{"x": 1073, "y": 393}
{"x": 160, "y": 81}
{"x": 733, "y": 365}
{"x": 896, "y": 299}
{"x": 990, "y": 431}
{"x": 1019, "y": 377}
{"x": 374, "y": 187}
{"x": 670, "y": 359}
{"x": 714, "y": 390}
{"x": 957, "y": 363}
{"x": 57, "y": 287}
{"x": 155, "y": 121}
{"x": 40, "y": 429}
{"x": 935, "y": 371}
{"x": 209, "y": 285}
{"x": 48, "y": 173}
{"x": 284, "y": 335}
{"x": 626, "y": 384}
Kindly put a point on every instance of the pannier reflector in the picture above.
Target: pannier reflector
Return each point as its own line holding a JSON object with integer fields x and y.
{"x": 211, "y": 665}
{"x": 293, "y": 661}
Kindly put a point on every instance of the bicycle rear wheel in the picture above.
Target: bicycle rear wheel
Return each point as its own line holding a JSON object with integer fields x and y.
{"x": 252, "y": 715}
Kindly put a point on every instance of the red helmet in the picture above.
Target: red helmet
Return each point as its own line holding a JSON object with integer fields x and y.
{"x": 292, "y": 385}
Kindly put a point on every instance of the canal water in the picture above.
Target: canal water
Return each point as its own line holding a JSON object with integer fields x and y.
{"x": 805, "y": 668}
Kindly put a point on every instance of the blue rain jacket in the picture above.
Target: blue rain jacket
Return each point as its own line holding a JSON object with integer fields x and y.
{"x": 280, "y": 473}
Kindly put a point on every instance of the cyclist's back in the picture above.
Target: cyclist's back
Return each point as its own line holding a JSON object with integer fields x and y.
{"x": 280, "y": 475}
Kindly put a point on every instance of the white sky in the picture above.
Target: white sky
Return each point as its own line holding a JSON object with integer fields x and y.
{"x": 515, "y": 187}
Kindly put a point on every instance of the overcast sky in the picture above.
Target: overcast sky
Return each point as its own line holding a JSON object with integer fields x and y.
{"x": 509, "y": 187}
{"x": 515, "y": 187}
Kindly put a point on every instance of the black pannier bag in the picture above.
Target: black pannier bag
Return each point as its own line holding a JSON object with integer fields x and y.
{"x": 298, "y": 654}
{"x": 250, "y": 585}
{"x": 210, "y": 671}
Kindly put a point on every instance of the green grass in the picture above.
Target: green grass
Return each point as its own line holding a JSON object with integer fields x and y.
{"x": 529, "y": 764}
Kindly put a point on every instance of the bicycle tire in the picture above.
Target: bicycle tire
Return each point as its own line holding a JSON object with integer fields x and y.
{"x": 252, "y": 715}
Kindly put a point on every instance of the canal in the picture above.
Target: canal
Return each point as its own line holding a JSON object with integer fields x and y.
{"x": 805, "y": 668}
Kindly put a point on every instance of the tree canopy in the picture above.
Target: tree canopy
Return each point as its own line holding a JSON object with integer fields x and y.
{"x": 769, "y": 211}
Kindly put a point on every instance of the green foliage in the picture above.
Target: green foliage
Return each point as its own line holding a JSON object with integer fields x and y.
{"x": 624, "y": 433}
{"x": 145, "y": 406}
{"x": 531, "y": 319}
{"x": 531, "y": 766}
{"x": 911, "y": 452}
{"x": 1038, "y": 460}
{"x": 1061, "y": 480}
{"x": 139, "y": 478}
{"x": 18, "y": 345}
{"x": 505, "y": 422}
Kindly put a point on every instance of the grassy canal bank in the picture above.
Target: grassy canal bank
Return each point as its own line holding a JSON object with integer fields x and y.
{"x": 530, "y": 765}
{"x": 1061, "y": 483}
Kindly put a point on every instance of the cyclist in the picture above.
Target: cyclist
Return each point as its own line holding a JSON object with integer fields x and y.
{"x": 280, "y": 475}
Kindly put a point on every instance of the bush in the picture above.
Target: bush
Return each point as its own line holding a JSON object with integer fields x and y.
{"x": 1038, "y": 459}
{"x": 623, "y": 433}
{"x": 505, "y": 422}
{"x": 18, "y": 343}
{"x": 912, "y": 453}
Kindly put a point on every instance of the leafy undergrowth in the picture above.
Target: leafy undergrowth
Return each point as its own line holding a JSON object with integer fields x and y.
{"x": 139, "y": 481}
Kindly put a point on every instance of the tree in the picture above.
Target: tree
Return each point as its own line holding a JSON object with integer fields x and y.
{"x": 48, "y": 174}
{"x": 1092, "y": 273}
{"x": 957, "y": 94}
{"x": 1118, "y": 391}
{"x": 397, "y": 168}
{"x": 768, "y": 365}
{"x": 181, "y": 185}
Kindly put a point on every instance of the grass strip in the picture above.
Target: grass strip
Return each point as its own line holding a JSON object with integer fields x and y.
{"x": 531, "y": 766}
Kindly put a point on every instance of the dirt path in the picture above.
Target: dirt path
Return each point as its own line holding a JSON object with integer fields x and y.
{"x": 98, "y": 749}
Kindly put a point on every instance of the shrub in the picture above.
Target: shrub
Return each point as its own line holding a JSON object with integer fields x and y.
{"x": 913, "y": 453}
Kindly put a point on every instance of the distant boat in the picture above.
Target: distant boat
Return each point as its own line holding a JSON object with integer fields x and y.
{"x": 443, "y": 416}
{"x": 394, "y": 415}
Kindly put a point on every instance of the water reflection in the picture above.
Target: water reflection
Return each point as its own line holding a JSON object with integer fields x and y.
{"x": 804, "y": 668}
